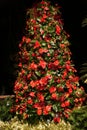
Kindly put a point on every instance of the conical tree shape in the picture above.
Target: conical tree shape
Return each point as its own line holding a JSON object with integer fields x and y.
{"x": 47, "y": 85}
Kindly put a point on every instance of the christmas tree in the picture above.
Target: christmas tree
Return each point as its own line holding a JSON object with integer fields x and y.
{"x": 47, "y": 86}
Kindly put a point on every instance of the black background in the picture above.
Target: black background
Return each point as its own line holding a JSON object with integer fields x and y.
{"x": 12, "y": 23}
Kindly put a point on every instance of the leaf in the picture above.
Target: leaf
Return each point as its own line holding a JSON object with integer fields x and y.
{"x": 38, "y": 19}
{"x": 55, "y": 108}
{"x": 84, "y": 22}
{"x": 43, "y": 43}
{"x": 51, "y": 51}
{"x": 83, "y": 70}
{"x": 84, "y": 76}
{"x": 38, "y": 73}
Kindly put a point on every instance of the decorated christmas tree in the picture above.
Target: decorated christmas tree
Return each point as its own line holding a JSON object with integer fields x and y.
{"x": 47, "y": 85}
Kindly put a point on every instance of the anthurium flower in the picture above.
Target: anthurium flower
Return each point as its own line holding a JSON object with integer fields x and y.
{"x": 40, "y": 96}
{"x": 28, "y": 40}
{"x": 30, "y": 101}
{"x": 62, "y": 45}
{"x": 67, "y": 103}
{"x": 37, "y": 44}
{"x": 33, "y": 84}
{"x": 60, "y": 89}
{"x": 45, "y": 16}
{"x": 23, "y": 38}
{"x": 39, "y": 112}
{"x": 58, "y": 29}
{"x": 56, "y": 63}
{"x": 43, "y": 80}
{"x": 52, "y": 89}
{"x": 42, "y": 50}
{"x": 56, "y": 119}
{"x": 33, "y": 66}
{"x": 25, "y": 87}
{"x": 48, "y": 108}
{"x": 68, "y": 67}
{"x": 46, "y": 8}
{"x": 32, "y": 94}
{"x": 54, "y": 96}
{"x": 20, "y": 64}
{"x": 43, "y": 64}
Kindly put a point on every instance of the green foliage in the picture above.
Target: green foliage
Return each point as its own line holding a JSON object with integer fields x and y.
{"x": 78, "y": 118}
{"x": 15, "y": 124}
{"x": 5, "y": 107}
{"x": 84, "y": 22}
{"x": 83, "y": 73}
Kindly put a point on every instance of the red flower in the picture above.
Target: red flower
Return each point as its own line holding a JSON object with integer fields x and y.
{"x": 62, "y": 45}
{"x": 36, "y": 105}
{"x": 28, "y": 76}
{"x": 32, "y": 94}
{"x": 45, "y": 112}
{"x": 68, "y": 67}
{"x": 47, "y": 39}
{"x": 37, "y": 45}
{"x": 52, "y": 89}
{"x": 74, "y": 87}
{"x": 49, "y": 76}
{"x": 67, "y": 94}
{"x": 48, "y": 108}
{"x": 43, "y": 64}
{"x": 54, "y": 96}
{"x": 62, "y": 98}
{"x": 58, "y": 29}
{"x": 43, "y": 2}
{"x": 26, "y": 116}
{"x": 46, "y": 8}
{"x": 33, "y": 66}
{"x": 41, "y": 50}
{"x": 44, "y": 16}
{"x": 40, "y": 96}
{"x": 20, "y": 64}
{"x": 67, "y": 103}
{"x": 63, "y": 105}
{"x": 23, "y": 71}
{"x": 76, "y": 100}
{"x": 42, "y": 20}
{"x": 56, "y": 119}
{"x": 18, "y": 86}
{"x": 56, "y": 63}
{"x": 68, "y": 85}
{"x": 64, "y": 73}
{"x": 33, "y": 54}
{"x": 25, "y": 87}
{"x": 33, "y": 84}
{"x": 66, "y": 115}
{"x": 28, "y": 40}
{"x": 50, "y": 65}
{"x": 23, "y": 38}
{"x": 70, "y": 90}
{"x": 30, "y": 102}
{"x": 43, "y": 80}
{"x": 41, "y": 31}
{"x": 61, "y": 89}
{"x": 33, "y": 21}
{"x": 39, "y": 112}
{"x": 39, "y": 87}
{"x": 58, "y": 81}
{"x": 75, "y": 79}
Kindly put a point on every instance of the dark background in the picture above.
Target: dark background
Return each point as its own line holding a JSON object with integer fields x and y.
{"x": 12, "y": 23}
